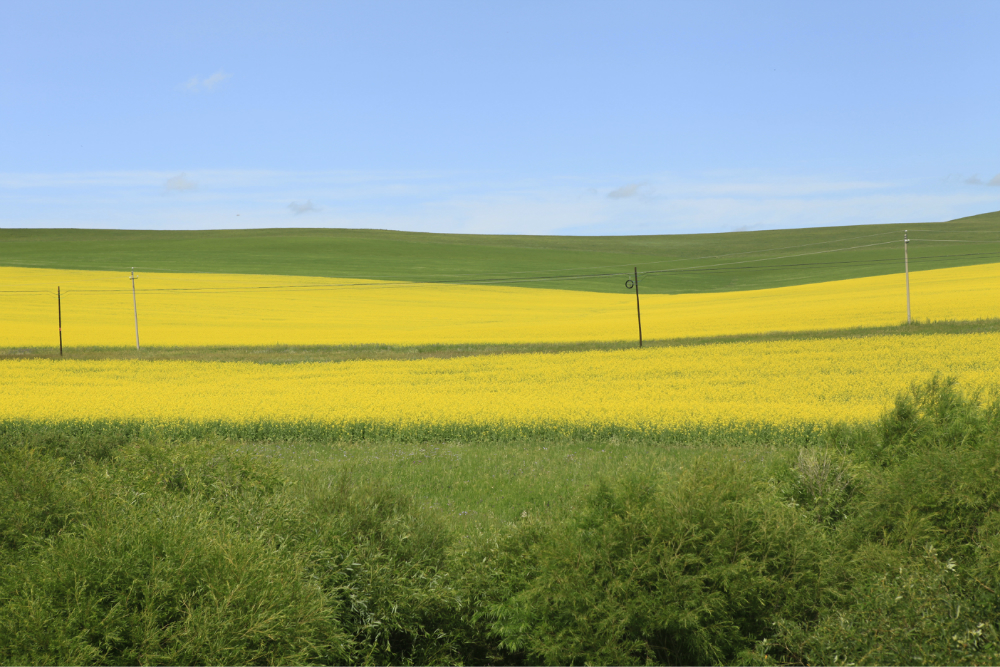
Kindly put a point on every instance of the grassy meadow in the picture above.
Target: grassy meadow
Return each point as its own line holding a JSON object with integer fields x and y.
{"x": 786, "y": 473}
{"x": 725, "y": 262}
{"x": 868, "y": 544}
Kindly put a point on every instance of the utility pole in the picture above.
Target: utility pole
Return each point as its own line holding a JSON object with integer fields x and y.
{"x": 906, "y": 268}
{"x": 135, "y": 310}
{"x": 59, "y": 307}
{"x": 629, "y": 284}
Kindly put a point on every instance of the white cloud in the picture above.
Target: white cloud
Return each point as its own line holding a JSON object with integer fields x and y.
{"x": 208, "y": 84}
{"x": 305, "y": 207}
{"x": 179, "y": 183}
{"x": 975, "y": 180}
{"x": 625, "y": 191}
{"x": 214, "y": 80}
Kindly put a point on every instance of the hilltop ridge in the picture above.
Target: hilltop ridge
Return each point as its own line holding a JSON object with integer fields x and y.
{"x": 681, "y": 262}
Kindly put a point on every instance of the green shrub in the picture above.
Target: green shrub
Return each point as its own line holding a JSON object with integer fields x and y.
{"x": 494, "y": 568}
{"x": 164, "y": 583}
{"x": 936, "y": 462}
{"x": 36, "y": 499}
{"x": 385, "y": 563}
{"x": 73, "y": 442}
{"x": 823, "y": 481}
{"x": 939, "y": 496}
{"x": 902, "y": 609}
{"x": 691, "y": 574}
{"x": 920, "y": 538}
{"x": 933, "y": 415}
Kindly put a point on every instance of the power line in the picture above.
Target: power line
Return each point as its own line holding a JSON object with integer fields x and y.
{"x": 333, "y": 286}
{"x": 952, "y": 241}
{"x": 489, "y": 281}
{"x": 735, "y": 266}
{"x": 804, "y": 254}
{"x": 678, "y": 259}
{"x": 466, "y": 280}
{"x": 806, "y": 264}
{"x": 952, "y": 231}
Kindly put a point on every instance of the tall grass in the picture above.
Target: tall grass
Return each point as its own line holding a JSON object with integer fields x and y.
{"x": 121, "y": 543}
{"x": 102, "y": 433}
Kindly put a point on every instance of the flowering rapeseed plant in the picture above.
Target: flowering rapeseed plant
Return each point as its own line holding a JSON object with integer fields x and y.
{"x": 775, "y": 382}
{"x": 216, "y": 309}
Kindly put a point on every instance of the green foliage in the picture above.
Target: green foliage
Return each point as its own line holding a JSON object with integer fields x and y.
{"x": 937, "y": 454}
{"x": 939, "y": 496}
{"x": 164, "y": 583}
{"x": 384, "y": 561}
{"x": 495, "y": 568}
{"x": 934, "y": 415}
{"x": 128, "y": 543}
{"x": 902, "y": 609}
{"x": 134, "y": 559}
{"x": 690, "y": 574}
{"x": 822, "y": 480}
{"x": 100, "y": 438}
{"x": 919, "y": 540}
{"x": 34, "y": 501}
{"x": 180, "y": 552}
{"x": 75, "y": 442}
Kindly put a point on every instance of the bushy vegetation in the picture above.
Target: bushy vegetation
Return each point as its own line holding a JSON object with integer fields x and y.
{"x": 875, "y": 544}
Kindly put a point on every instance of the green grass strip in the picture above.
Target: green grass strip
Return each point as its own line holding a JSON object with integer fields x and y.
{"x": 286, "y": 354}
{"x": 722, "y": 434}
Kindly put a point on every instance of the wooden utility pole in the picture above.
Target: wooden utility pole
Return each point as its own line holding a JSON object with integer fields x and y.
{"x": 135, "y": 310}
{"x": 906, "y": 268}
{"x": 638, "y": 315}
{"x": 59, "y": 308}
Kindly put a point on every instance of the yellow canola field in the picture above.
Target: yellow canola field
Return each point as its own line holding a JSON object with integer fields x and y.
{"x": 777, "y": 382}
{"x": 215, "y": 309}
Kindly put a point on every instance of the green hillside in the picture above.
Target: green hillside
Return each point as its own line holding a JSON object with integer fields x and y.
{"x": 675, "y": 263}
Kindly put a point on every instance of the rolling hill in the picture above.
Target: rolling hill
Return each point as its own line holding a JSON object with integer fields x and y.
{"x": 669, "y": 263}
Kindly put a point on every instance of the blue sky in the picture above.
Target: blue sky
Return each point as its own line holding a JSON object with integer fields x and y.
{"x": 538, "y": 117}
